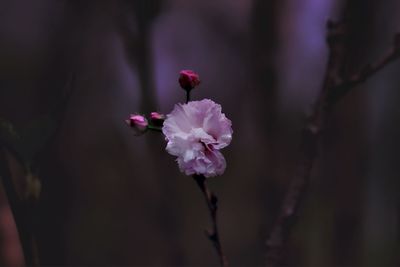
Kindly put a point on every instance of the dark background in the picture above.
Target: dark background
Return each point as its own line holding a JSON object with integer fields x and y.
{"x": 110, "y": 198}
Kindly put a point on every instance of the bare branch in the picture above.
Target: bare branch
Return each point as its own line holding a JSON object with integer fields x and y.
{"x": 212, "y": 200}
{"x": 333, "y": 89}
{"x": 345, "y": 86}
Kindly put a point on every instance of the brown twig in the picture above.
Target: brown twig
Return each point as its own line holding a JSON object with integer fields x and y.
{"x": 212, "y": 200}
{"x": 345, "y": 86}
{"x": 333, "y": 89}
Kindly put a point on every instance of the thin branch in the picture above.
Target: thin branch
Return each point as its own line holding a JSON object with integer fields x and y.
{"x": 345, "y": 86}
{"x": 309, "y": 146}
{"x": 212, "y": 200}
{"x": 330, "y": 93}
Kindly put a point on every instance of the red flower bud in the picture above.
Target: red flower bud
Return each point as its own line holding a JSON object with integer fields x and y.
{"x": 188, "y": 79}
{"x": 138, "y": 123}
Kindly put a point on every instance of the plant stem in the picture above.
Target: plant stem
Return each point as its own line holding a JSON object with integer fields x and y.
{"x": 188, "y": 95}
{"x": 212, "y": 200}
{"x": 154, "y": 128}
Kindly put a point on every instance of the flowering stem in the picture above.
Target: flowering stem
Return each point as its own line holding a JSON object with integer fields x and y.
{"x": 188, "y": 95}
{"x": 154, "y": 128}
{"x": 212, "y": 200}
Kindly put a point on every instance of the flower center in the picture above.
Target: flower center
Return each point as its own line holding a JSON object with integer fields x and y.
{"x": 207, "y": 147}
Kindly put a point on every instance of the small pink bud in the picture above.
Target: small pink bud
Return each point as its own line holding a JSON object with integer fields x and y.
{"x": 157, "y": 119}
{"x": 138, "y": 123}
{"x": 188, "y": 79}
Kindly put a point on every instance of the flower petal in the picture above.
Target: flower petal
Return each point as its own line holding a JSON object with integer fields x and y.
{"x": 195, "y": 132}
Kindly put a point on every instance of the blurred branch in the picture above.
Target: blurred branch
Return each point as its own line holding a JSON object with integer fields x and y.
{"x": 135, "y": 25}
{"x": 26, "y": 147}
{"x": 344, "y": 87}
{"x": 333, "y": 89}
{"x": 56, "y": 117}
{"x": 21, "y": 214}
{"x": 212, "y": 200}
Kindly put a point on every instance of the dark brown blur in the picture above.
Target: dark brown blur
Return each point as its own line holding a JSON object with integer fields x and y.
{"x": 111, "y": 198}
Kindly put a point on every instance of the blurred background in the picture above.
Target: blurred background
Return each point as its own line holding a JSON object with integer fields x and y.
{"x": 79, "y": 68}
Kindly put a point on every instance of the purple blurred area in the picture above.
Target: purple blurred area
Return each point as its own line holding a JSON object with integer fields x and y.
{"x": 111, "y": 198}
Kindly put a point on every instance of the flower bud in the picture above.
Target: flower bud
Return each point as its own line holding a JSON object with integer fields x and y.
{"x": 157, "y": 119}
{"x": 138, "y": 123}
{"x": 188, "y": 79}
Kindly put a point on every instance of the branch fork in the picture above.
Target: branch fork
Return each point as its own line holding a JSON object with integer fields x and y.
{"x": 336, "y": 85}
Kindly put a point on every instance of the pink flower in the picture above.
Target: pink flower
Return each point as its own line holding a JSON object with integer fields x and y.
{"x": 188, "y": 79}
{"x": 157, "y": 119}
{"x": 138, "y": 123}
{"x": 195, "y": 132}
